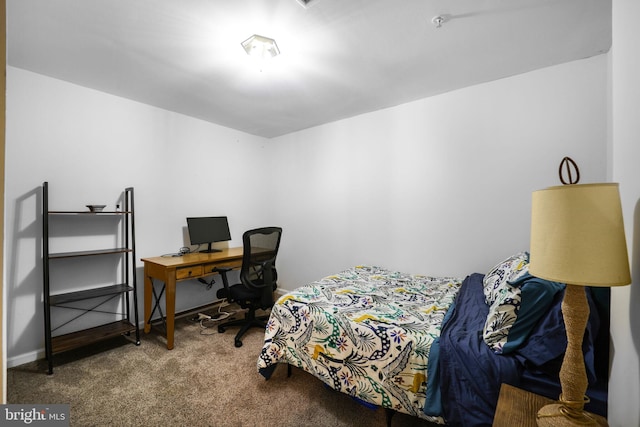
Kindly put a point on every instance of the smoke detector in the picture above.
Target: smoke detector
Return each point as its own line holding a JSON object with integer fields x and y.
{"x": 438, "y": 21}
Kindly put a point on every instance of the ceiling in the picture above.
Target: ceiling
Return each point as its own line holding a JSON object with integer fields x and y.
{"x": 339, "y": 58}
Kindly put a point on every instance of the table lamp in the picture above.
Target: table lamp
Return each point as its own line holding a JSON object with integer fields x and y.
{"x": 577, "y": 238}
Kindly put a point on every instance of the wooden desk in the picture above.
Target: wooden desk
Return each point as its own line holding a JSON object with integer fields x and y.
{"x": 171, "y": 269}
{"x": 518, "y": 407}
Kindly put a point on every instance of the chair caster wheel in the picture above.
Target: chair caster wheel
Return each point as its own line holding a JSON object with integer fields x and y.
{"x": 238, "y": 343}
{"x": 221, "y": 329}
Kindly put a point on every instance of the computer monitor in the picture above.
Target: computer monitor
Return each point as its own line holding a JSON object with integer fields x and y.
{"x": 208, "y": 230}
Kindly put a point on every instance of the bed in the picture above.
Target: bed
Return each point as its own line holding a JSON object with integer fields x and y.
{"x": 437, "y": 348}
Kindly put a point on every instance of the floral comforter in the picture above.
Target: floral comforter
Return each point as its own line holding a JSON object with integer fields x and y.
{"x": 367, "y": 332}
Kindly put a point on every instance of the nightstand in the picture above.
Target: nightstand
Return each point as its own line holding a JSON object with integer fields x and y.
{"x": 518, "y": 407}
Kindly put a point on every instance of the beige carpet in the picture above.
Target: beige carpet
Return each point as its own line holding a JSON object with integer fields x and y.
{"x": 203, "y": 381}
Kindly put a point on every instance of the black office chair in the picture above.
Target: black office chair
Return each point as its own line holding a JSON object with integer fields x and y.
{"x": 258, "y": 278}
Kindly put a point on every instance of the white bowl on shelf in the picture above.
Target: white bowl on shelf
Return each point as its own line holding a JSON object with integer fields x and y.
{"x": 96, "y": 208}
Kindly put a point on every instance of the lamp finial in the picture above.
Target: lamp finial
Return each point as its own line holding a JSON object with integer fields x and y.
{"x": 567, "y": 165}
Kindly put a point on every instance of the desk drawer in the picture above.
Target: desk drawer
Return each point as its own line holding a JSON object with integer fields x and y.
{"x": 187, "y": 272}
{"x": 210, "y": 268}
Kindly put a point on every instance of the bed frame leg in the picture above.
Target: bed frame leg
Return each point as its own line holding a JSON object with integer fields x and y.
{"x": 389, "y": 413}
{"x": 288, "y": 370}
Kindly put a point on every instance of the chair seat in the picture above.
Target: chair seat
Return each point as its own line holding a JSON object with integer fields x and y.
{"x": 237, "y": 293}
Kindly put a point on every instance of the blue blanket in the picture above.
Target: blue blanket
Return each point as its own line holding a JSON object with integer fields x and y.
{"x": 470, "y": 373}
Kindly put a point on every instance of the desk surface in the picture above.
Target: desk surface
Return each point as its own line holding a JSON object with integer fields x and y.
{"x": 195, "y": 258}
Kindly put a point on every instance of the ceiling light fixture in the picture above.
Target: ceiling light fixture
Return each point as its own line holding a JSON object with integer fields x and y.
{"x": 306, "y": 3}
{"x": 260, "y": 47}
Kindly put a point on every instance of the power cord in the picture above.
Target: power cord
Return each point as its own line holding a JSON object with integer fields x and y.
{"x": 204, "y": 282}
{"x": 208, "y": 321}
{"x": 181, "y": 252}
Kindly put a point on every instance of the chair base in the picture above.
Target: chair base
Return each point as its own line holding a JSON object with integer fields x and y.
{"x": 250, "y": 321}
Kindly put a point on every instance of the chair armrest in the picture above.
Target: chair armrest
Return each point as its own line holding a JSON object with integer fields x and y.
{"x": 222, "y": 271}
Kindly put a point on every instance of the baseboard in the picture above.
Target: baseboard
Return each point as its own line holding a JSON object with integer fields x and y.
{"x": 21, "y": 359}
{"x": 280, "y": 292}
{"x": 189, "y": 311}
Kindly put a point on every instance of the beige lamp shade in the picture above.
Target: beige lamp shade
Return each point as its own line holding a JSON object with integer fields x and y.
{"x": 577, "y": 235}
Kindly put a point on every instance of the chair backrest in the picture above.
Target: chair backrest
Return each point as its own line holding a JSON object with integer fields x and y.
{"x": 258, "y": 271}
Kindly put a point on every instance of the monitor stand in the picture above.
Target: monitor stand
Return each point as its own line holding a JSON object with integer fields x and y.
{"x": 210, "y": 250}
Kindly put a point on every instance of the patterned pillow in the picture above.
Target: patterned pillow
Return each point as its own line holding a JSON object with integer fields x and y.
{"x": 508, "y": 270}
{"x": 518, "y": 307}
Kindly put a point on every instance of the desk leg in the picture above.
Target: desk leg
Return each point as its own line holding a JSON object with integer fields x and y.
{"x": 148, "y": 291}
{"x": 171, "y": 309}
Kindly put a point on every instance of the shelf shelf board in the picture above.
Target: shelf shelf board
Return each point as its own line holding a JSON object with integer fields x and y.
{"x": 101, "y": 213}
{"x": 89, "y": 253}
{"x": 88, "y": 294}
{"x": 85, "y": 337}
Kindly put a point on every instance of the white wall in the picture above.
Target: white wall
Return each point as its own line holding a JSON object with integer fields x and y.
{"x": 89, "y": 146}
{"x": 624, "y": 383}
{"x": 440, "y": 186}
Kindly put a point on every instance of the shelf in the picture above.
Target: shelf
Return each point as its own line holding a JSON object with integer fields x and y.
{"x": 88, "y": 294}
{"x": 90, "y": 336}
{"x": 117, "y": 298}
{"x": 101, "y": 213}
{"x": 89, "y": 253}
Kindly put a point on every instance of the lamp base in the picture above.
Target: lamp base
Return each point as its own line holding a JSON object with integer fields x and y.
{"x": 557, "y": 415}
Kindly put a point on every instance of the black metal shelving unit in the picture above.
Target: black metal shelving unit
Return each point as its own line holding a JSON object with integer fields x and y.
{"x": 126, "y": 291}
